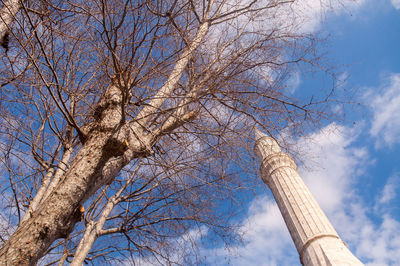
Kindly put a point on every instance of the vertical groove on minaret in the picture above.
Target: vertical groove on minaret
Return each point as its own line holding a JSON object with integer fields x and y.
{"x": 304, "y": 214}
{"x": 314, "y": 236}
{"x": 289, "y": 207}
{"x": 296, "y": 214}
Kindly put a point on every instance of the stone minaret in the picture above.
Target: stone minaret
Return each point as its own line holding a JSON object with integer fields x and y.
{"x": 314, "y": 236}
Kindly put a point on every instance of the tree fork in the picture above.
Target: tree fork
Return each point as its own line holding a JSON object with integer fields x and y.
{"x": 109, "y": 145}
{"x": 94, "y": 165}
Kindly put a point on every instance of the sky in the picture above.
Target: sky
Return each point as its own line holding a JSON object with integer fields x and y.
{"x": 351, "y": 167}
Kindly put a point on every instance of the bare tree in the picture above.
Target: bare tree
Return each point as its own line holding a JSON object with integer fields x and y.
{"x": 127, "y": 115}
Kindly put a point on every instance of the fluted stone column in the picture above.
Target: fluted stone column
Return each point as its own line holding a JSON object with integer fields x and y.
{"x": 314, "y": 236}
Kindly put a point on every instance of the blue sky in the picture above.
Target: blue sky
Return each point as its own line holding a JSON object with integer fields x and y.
{"x": 351, "y": 167}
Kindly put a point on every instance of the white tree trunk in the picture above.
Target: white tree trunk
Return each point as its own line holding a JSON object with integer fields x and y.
{"x": 94, "y": 229}
{"x": 97, "y": 163}
{"x": 46, "y": 187}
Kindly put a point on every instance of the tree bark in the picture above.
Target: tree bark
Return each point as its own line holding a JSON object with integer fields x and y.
{"x": 94, "y": 229}
{"x": 110, "y": 145}
{"x": 97, "y": 162}
{"x": 46, "y": 188}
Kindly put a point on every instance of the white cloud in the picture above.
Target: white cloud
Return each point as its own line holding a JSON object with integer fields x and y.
{"x": 334, "y": 165}
{"x": 380, "y": 245}
{"x": 389, "y": 191}
{"x": 333, "y": 182}
{"x": 311, "y": 13}
{"x": 386, "y": 111}
{"x": 176, "y": 252}
{"x": 293, "y": 82}
{"x": 386, "y": 200}
{"x": 342, "y": 79}
{"x": 334, "y": 186}
{"x": 396, "y": 4}
{"x": 266, "y": 239}
{"x": 280, "y": 20}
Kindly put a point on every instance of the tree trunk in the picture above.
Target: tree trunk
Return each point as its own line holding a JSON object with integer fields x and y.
{"x": 98, "y": 162}
{"x": 46, "y": 187}
{"x": 110, "y": 145}
{"x": 60, "y": 211}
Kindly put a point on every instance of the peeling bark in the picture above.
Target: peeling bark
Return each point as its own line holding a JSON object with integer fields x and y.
{"x": 92, "y": 167}
{"x": 47, "y": 187}
{"x": 109, "y": 146}
{"x": 94, "y": 229}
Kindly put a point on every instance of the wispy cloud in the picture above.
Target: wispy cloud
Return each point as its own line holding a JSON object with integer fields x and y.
{"x": 386, "y": 200}
{"x": 280, "y": 20}
{"x": 266, "y": 240}
{"x": 380, "y": 245}
{"x": 333, "y": 180}
{"x": 293, "y": 82}
{"x": 396, "y": 4}
{"x": 390, "y": 190}
{"x": 311, "y": 13}
{"x": 386, "y": 111}
{"x": 331, "y": 167}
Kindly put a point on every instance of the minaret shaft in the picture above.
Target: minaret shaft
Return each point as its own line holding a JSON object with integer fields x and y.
{"x": 314, "y": 236}
{"x": 295, "y": 200}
